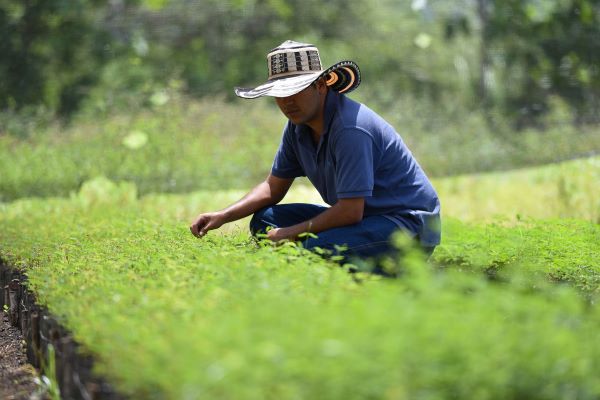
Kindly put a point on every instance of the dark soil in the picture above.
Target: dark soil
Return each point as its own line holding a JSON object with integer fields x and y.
{"x": 17, "y": 377}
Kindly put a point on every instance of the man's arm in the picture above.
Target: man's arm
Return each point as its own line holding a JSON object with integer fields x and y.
{"x": 344, "y": 212}
{"x": 269, "y": 192}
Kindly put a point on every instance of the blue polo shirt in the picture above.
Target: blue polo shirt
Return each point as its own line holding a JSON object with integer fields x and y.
{"x": 361, "y": 155}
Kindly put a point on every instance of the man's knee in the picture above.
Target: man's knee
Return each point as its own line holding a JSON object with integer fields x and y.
{"x": 257, "y": 223}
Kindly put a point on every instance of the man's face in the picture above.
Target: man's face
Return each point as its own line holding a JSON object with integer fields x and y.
{"x": 303, "y": 107}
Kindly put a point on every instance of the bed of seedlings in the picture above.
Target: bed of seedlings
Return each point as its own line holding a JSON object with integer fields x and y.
{"x": 506, "y": 307}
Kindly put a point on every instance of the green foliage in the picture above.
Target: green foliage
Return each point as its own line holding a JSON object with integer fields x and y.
{"x": 50, "y": 53}
{"x": 566, "y": 250}
{"x": 547, "y": 48}
{"x": 507, "y": 310}
{"x": 171, "y": 316}
{"x": 48, "y": 380}
{"x": 507, "y": 57}
{"x": 181, "y": 145}
{"x": 566, "y": 190}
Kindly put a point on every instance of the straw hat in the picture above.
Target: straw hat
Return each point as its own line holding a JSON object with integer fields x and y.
{"x": 293, "y": 66}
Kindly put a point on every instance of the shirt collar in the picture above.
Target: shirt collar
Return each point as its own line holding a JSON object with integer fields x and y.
{"x": 331, "y": 105}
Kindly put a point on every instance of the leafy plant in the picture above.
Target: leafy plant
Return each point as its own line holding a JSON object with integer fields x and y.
{"x": 168, "y": 315}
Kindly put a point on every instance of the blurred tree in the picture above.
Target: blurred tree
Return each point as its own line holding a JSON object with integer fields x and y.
{"x": 474, "y": 53}
{"x": 545, "y": 49}
{"x": 206, "y": 47}
{"x": 50, "y": 52}
{"x": 214, "y": 45}
{"x": 540, "y": 50}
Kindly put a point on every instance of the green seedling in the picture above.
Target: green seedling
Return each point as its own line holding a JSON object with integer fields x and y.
{"x": 169, "y": 316}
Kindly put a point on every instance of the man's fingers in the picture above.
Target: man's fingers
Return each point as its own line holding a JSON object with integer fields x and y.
{"x": 207, "y": 227}
{"x": 204, "y": 224}
{"x": 196, "y": 230}
{"x": 200, "y": 228}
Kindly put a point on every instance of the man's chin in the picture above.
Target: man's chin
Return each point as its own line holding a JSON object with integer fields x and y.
{"x": 296, "y": 120}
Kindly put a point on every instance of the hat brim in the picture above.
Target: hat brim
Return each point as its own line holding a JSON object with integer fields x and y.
{"x": 343, "y": 77}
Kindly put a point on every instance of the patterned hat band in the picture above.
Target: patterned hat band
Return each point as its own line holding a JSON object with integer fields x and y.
{"x": 293, "y": 66}
{"x": 285, "y": 63}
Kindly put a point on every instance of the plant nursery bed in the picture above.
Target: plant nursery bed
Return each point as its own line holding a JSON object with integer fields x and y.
{"x": 40, "y": 358}
{"x": 506, "y": 309}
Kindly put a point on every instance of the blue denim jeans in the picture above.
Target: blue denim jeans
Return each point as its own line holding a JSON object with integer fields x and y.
{"x": 366, "y": 239}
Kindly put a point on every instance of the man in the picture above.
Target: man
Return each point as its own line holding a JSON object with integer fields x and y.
{"x": 355, "y": 159}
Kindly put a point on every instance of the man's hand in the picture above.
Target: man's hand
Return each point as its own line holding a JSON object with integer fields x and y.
{"x": 277, "y": 234}
{"x": 206, "y": 222}
{"x": 266, "y": 193}
{"x": 289, "y": 232}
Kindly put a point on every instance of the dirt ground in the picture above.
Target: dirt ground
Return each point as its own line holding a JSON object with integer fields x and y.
{"x": 17, "y": 377}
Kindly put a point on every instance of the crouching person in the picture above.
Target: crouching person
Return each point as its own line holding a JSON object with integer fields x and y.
{"x": 354, "y": 158}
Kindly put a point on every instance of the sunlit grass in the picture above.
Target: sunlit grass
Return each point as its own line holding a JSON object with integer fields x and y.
{"x": 566, "y": 190}
{"x": 186, "y": 145}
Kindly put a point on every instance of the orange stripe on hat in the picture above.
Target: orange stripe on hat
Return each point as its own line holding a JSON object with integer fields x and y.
{"x": 352, "y": 78}
{"x": 332, "y": 78}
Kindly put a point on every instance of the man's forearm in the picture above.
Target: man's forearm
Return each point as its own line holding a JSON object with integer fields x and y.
{"x": 345, "y": 212}
{"x": 267, "y": 193}
{"x": 271, "y": 191}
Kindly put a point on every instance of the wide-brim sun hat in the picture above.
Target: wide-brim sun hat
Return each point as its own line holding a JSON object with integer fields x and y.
{"x": 293, "y": 66}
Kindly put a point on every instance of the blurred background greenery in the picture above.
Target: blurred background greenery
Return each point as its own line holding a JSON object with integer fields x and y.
{"x": 141, "y": 90}
{"x": 121, "y": 106}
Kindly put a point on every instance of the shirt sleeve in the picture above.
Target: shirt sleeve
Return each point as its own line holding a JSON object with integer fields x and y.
{"x": 354, "y": 169}
{"x": 286, "y": 164}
